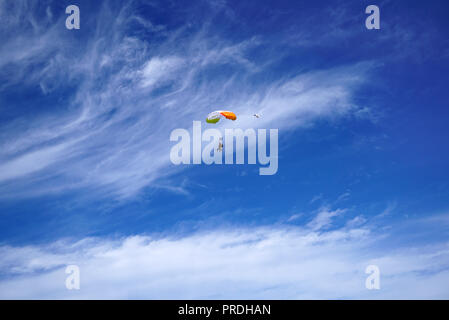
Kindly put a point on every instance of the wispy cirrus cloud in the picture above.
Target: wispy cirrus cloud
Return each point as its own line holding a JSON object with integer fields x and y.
{"x": 110, "y": 133}
{"x": 323, "y": 218}
{"x": 158, "y": 71}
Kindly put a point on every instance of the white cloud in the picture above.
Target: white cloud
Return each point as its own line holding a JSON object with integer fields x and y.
{"x": 324, "y": 218}
{"x": 158, "y": 71}
{"x": 243, "y": 263}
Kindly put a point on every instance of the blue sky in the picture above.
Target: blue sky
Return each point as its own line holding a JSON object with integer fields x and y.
{"x": 86, "y": 179}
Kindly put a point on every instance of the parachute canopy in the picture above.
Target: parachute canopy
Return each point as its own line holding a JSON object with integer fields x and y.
{"x": 215, "y": 116}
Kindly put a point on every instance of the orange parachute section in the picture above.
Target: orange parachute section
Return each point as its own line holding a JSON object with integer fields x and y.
{"x": 228, "y": 115}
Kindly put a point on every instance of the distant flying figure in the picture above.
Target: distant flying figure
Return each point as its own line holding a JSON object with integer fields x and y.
{"x": 256, "y": 115}
{"x": 220, "y": 145}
